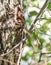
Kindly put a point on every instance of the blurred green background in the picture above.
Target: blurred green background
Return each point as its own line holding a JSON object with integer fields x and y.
{"x": 40, "y": 41}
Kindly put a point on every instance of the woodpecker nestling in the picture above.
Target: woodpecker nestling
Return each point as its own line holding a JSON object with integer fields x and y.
{"x": 19, "y": 34}
{"x": 19, "y": 17}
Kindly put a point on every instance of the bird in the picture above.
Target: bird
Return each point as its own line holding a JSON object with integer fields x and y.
{"x": 19, "y": 34}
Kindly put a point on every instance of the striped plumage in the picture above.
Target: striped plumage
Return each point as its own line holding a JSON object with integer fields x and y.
{"x": 17, "y": 29}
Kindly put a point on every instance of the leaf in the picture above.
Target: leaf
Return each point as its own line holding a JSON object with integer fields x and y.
{"x": 24, "y": 58}
{"x": 28, "y": 21}
{"x": 44, "y": 27}
{"x": 48, "y": 46}
{"x": 32, "y": 13}
{"x": 48, "y": 22}
{"x": 41, "y": 40}
{"x": 49, "y": 6}
{"x": 34, "y": 35}
{"x": 28, "y": 43}
{"x": 24, "y": 6}
{"x": 29, "y": 54}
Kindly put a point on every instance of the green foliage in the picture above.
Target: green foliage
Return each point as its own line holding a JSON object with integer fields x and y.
{"x": 28, "y": 21}
{"x": 47, "y": 22}
{"x": 34, "y": 35}
{"x": 33, "y": 0}
{"x": 24, "y": 6}
{"x": 27, "y": 55}
{"x": 49, "y": 6}
{"x": 48, "y": 46}
{"x": 41, "y": 40}
{"x": 40, "y": 46}
{"x": 28, "y": 42}
{"x": 30, "y": 53}
{"x": 49, "y": 64}
{"x": 32, "y": 13}
{"x": 24, "y": 58}
{"x": 44, "y": 27}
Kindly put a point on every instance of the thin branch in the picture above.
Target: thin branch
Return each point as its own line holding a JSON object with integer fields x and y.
{"x": 44, "y": 19}
{"x": 13, "y": 48}
{"x": 44, "y": 6}
{"x": 27, "y": 32}
{"x": 42, "y": 52}
{"x": 7, "y": 61}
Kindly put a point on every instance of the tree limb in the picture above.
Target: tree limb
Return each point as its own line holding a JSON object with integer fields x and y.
{"x": 44, "y": 6}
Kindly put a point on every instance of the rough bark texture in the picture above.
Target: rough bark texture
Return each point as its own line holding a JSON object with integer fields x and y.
{"x": 11, "y": 33}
